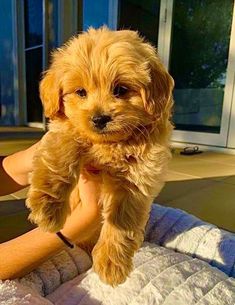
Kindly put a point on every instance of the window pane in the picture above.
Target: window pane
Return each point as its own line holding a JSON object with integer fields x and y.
{"x": 33, "y": 22}
{"x": 9, "y": 105}
{"x": 33, "y": 74}
{"x": 95, "y": 13}
{"x": 199, "y": 57}
{"x": 140, "y": 15}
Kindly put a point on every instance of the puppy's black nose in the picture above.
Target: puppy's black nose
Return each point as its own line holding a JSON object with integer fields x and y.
{"x": 100, "y": 121}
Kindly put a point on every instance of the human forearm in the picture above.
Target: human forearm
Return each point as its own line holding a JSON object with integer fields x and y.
{"x": 23, "y": 254}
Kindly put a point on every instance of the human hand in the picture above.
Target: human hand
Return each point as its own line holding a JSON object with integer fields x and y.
{"x": 20, "y": 164}
{"x": 85, "y": 216}
{"x": 15, "y": 169}
{"x": 89, "y": 187}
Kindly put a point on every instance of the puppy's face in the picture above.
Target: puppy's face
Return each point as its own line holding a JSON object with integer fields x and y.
{"x": 110, "y": 85}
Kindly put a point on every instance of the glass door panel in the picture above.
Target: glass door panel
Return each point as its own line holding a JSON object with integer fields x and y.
{"x": 8, "y": 105}
{"x": 33, "y": 14}
{"x": 95, "y": 13}
{"x": 142, "y": 16}
{"x": 198, "y": 63}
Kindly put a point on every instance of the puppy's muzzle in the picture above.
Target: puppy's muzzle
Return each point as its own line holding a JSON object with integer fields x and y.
{"x": 100, "y": 121}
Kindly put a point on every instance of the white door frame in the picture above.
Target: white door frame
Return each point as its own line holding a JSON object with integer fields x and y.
{"x": 164, "y": 30}
{"x": 226, "y": 137}
{"x": 113, "y": 14}
{"x": 231, "y": 134}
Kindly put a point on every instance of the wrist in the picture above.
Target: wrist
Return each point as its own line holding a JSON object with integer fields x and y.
{"x": 65, "y": 240}
{"x": 70, "y": 230}
{"x": 81, "y": 223}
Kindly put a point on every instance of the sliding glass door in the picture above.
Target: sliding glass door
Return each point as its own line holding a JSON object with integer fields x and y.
{"x": 200, "y": 63}
{"x": 196, "y": 41}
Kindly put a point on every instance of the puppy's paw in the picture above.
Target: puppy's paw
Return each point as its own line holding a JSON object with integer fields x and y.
{"x": 47, "y": 212}
{"x": 112, "y": 268}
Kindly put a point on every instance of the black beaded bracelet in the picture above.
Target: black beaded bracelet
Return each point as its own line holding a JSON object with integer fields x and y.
{"x": 65, "y": 240}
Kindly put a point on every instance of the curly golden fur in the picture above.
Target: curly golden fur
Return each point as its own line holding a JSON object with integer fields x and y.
{"x": 109, "y": 100}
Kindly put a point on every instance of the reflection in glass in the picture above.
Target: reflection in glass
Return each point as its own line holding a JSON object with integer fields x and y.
{"x": 142, "y": 16}
{"x": 199, "y": 57}
{"x": 33, "y": 22}
{"x": 95, "y": 13}
{"x": 0, "y": 97}
{"x": 33, "y": 73}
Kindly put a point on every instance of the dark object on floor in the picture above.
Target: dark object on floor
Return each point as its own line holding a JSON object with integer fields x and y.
{"x": 189, "y": 151}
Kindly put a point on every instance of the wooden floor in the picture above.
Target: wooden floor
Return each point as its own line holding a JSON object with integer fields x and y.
{"x": 203, "y": 185}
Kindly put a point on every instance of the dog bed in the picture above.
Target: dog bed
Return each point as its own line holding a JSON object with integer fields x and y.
{"x": 183, "y": 261}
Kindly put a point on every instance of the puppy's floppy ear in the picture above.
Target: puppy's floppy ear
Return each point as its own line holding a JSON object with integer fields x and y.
{"x": 50, "y": 94}
{"x": 158, "y": 96}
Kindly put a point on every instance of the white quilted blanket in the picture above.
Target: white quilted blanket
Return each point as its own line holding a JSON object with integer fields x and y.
{"x": 160, "y": 276}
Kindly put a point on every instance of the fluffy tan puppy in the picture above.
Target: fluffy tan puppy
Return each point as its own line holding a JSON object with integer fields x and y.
{"x": 109, "y": 101}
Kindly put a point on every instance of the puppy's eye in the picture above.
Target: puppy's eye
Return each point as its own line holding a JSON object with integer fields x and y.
{"x": 120, "y": 91}
{"x": 81, "y": 92}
